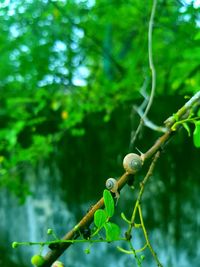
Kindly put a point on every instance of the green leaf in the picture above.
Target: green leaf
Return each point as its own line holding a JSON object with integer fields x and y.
{"x": 196, "y": 134}
{"x": 187, "y": 128}
{"x": 125, "y": 219}
{"x": 112, "y": 231}
{"x": 109, "y": 203}
{"x": 197, "y": 36}
{"x": 100, "y": 217}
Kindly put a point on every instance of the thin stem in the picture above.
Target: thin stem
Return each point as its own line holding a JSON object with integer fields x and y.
{"x": 131, "y": 251}
{"x": 192, "y": 120}
{"x": 151, "y": 63}
{"x": 142, "y": 185}
{"x": 60, "y": 241}
{"x": 153, "y": 72}
{"x": 147, "y": 238}
{"x": 135, "y": 254}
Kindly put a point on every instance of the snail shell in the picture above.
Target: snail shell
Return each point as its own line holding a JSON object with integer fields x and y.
{"x": 132, "y": 163}
{"x": 112, "y": 185}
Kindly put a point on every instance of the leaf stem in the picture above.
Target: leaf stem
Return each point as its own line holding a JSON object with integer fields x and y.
{"x": 142, "y": 185}
{"x": 60, "y": 241}
{"x": 147, "y": 238}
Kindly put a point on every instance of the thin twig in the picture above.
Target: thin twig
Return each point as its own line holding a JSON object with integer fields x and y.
{"x": 148, "y": 123}
{"x": 147, "y": 238}
{"x": 73, "y": 241}
{"x": 137, "y": 207}
{"x": 143, "y": 183}
{"x": 151, "y": 63}
{"x": 153, "y": 72}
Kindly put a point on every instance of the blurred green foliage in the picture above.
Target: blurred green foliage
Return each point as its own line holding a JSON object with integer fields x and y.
{"x": 62, "y": 60}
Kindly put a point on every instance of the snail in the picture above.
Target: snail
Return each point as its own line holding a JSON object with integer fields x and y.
{"x": 132, "y": 163}
{"x": 112, "y": 185}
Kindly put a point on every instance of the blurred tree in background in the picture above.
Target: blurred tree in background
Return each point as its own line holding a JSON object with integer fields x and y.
{"x": 62, "y": 61}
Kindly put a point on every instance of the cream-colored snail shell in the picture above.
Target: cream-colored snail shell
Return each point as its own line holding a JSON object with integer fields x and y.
{"x": 112, "y": 185}
{"x": 132, "y": 163}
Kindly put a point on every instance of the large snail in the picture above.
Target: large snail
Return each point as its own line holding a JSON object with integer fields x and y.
{"x": 112, "y": 185}
{"x": 132, "y": 163}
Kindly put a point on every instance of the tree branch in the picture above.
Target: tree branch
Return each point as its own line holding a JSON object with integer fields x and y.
{"x": 88, "y": 218}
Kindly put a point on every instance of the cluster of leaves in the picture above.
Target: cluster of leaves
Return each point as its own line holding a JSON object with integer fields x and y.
{"x": 102, "y": 217}
{"x": 186, "y": 124}
{"x": 101, "y": 221}
{"x": 196, "y": 134}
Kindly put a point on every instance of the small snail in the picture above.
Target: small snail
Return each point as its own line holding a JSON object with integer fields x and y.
{"x": 112, "y": 185}
{"x": 132, "y": 163}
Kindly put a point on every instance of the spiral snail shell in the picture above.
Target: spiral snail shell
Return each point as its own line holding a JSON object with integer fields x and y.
{"x": 112, "y": 185}
{"x": 132, "y": 163}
